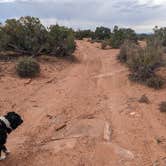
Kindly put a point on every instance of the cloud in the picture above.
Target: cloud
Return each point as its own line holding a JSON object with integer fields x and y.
{"x": 6, "y": 1}
{"x": 142, "y": 15}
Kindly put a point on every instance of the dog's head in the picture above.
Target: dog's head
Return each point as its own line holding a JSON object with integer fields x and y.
{"x": 14, "y": 119}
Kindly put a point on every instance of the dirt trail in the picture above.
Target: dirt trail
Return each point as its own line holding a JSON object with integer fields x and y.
{"x": 86, "y": 114}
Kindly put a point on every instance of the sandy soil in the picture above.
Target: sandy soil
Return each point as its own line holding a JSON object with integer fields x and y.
{"x": 83, "y": 114}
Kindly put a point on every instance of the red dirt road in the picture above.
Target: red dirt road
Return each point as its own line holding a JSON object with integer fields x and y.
{"x": 84, "y": 114}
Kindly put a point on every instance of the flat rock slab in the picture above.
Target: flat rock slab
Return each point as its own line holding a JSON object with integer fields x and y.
{"x": 67, "y": 137}
{"x": 95, "y": 128}
{"x": 111, "y": 154}
{"x": 59, "y": 145}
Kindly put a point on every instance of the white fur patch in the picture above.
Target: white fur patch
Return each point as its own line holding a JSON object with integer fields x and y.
{"x": 2, "y": 158}
{"x": 7, "y": 123}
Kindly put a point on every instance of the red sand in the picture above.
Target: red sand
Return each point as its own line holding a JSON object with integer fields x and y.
{"x": 83, "y": 114}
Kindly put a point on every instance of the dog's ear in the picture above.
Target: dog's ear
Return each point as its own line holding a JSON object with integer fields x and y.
{"x": 11, "y": 113}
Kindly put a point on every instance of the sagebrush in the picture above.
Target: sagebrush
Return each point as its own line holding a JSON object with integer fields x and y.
{"x": 143, "y": 62}
{"x": 163, "y": 106}
{"x": 27, "y": 67}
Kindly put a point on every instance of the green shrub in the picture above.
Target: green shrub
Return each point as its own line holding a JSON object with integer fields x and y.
{"x": 143, "y": 62}
{"x": 119, "y": 35}
{"x": 60, "y": 41}
{"x": 160, "y": 33}
{"x": 70, "y": 44}
{"x": 27, "y": 36}
{"x": 80, "y": 34}
{"x": 163, "y": 106}
{"x": 155, "y": 82}
{"x": 102, "y": 33}
{"x": 27, "y": 67}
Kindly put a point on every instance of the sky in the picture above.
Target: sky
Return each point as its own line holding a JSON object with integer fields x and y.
{"x": 141, "y": 15}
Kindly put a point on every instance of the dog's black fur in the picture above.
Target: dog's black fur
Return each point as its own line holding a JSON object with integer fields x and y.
{"x": 15, "y": 120}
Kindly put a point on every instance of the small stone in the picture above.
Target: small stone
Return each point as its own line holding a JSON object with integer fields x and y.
{"x": 49, "y": 116}
{"x": 107, "y": 132}
{"x": 132, "y": 113}
{"x": 144, "y": 99}
{"x": 28, "y": 82}
{"x": 35, "y": 105}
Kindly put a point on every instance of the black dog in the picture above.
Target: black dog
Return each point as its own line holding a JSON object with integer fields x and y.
{"x": 8, "y": 123}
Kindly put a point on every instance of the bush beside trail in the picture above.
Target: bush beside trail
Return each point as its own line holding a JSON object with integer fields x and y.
{"x": 143, "y": 62}
{"x": 80, "y": 34}
{"x": 60, "y": 41}
{"x": 27, "y": 67}
{"x": 162, "y": 106}
{"x": 102, "y": 33}
{"x": 119, "y": 35}
{"x": 27, "y": 36}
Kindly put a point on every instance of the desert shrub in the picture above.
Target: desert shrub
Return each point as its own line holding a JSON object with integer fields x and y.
{"x": 4, "y": 38}
{"x": 155, "y": 82}
{"x": 143, "y": 62}
{"x": 160, "y": 33}
{"x": 80, "y": 34}
{"x": 102, "y": 33}
{"x": 126, "y": 50}
{"x": 27, "y": 36}
{"x": 60, "y": 41}
{"x": 70, "y": 44}
{"x": 162, "y": 106}
{"x": 104, "y": 44}
{"x": 119, "y": 35}
{"x": 27, "y": 67}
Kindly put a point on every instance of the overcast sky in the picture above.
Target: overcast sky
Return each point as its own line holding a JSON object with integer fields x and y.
{"x": 141, "y": 15}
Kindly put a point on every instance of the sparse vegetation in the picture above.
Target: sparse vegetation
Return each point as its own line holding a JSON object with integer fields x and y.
{"x": 28, "y": 37}
{"x": 27, "y": 67}
{"x": 126, "y": 50}
{"x": 163, "y": 106}
{"x": 143, "y": 62}
{"x": 102, "y": 33}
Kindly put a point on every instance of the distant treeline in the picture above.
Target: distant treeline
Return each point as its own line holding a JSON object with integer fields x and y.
{"x": 114, "y": 38}
{"x": 28, "y": 36}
